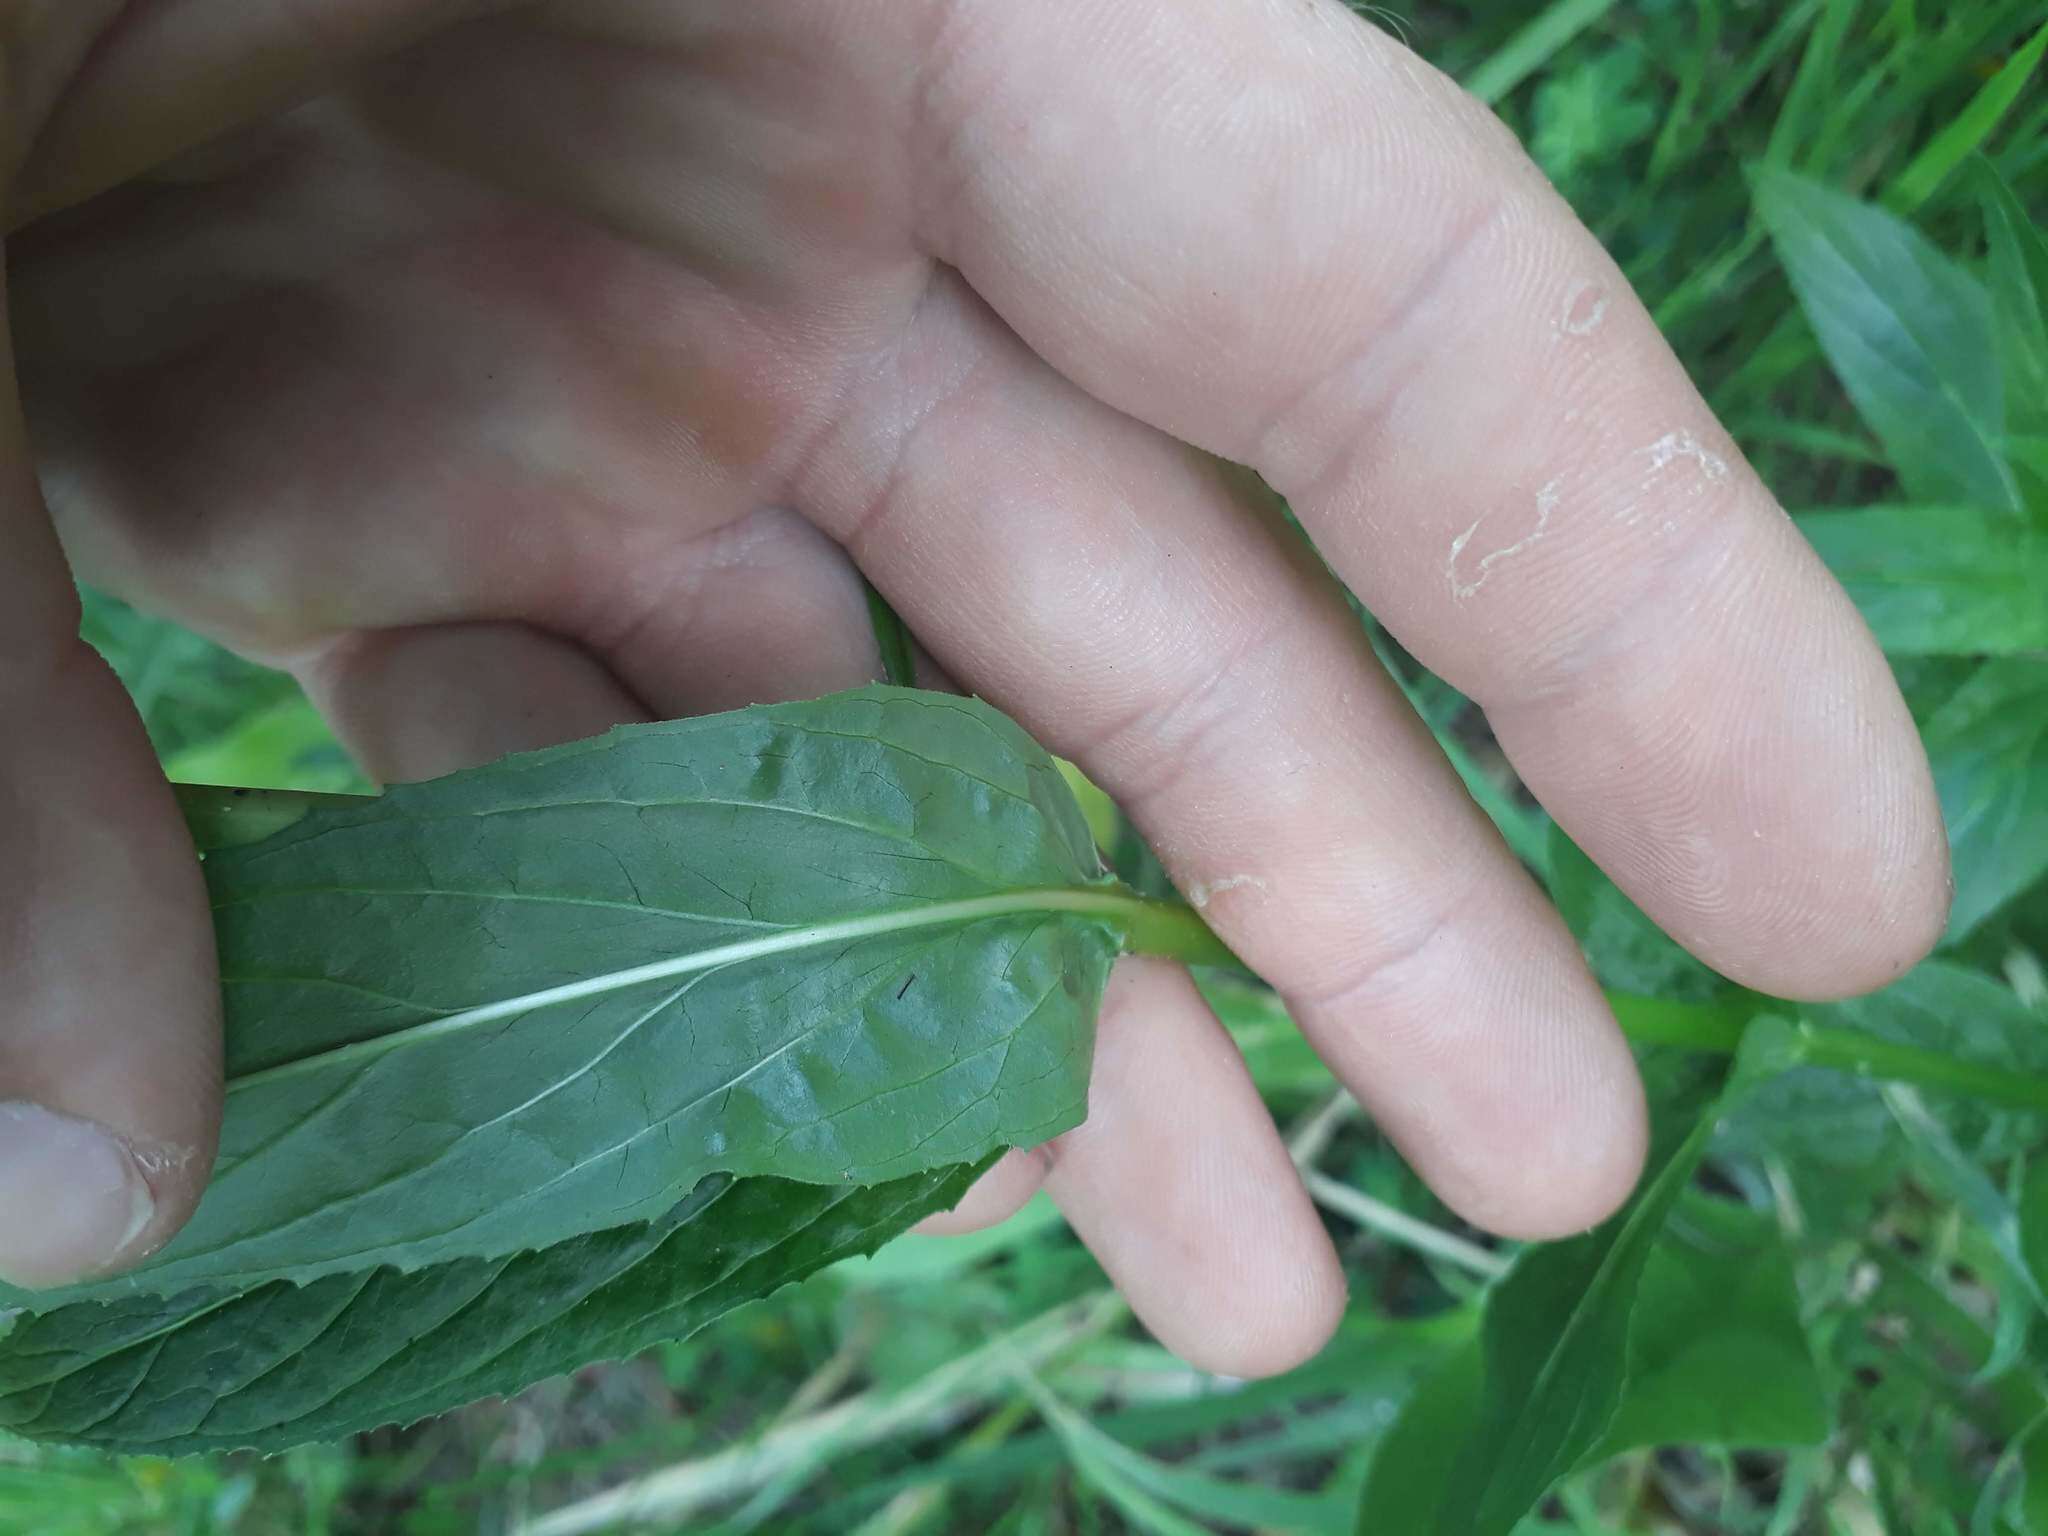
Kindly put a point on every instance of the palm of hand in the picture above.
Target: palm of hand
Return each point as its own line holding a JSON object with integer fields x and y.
{"x": 553, "y": 373}
{"x": 457, "y": 348}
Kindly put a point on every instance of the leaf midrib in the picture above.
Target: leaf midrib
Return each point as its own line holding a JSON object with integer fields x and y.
{"x": 1113, "y": 905}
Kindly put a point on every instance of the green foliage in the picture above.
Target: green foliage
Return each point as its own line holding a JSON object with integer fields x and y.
{"x": 1559, "y": 1354}
{"x": 1716, "y": 1317}
{"x": 1909, "y": 333}
{"x": 1940, "y": 581}
{"x": 520, "y": 1008}
{"x": 279, "y": 1363}
{"x": 1989, "y": 747}
{"x": 2019, "y": 290}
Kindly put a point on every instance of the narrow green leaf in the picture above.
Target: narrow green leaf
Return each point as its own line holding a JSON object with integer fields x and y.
{"x": 1551, "y": 1371}
{"x": 1909, "y": 333}
{"x": 892, "y": 639}
{"x": 1555, "y": 1345}
{"x": 1956, "y": 1171}
{"x": 844, "y": 941}
{"x": 1550, "y": 30}
{"x": 1989, "y": 748}
{"x": 1968, "y": 129}
{"x": 1158, "y": 1496}
{"x": 2034, "y": 1222}
{"x": 1940, "y": 581}
{"x": 1798, "y": 123}
{"x": 2019, "y": 291}
{"x": 280, "y": 1364}
{"x": 1947, "y": 1167}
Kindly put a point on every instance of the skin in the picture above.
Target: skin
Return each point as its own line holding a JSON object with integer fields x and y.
{"x": 554, "y": 365}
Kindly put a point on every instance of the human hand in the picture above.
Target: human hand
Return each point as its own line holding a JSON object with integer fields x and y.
{"x": 566, "y": 367}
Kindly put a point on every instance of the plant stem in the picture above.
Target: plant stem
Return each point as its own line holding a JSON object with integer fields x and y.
{"x": 936, "y": 1401}
{"x": 1175, "y": 932}
{"x": 1852, "y": 1051}
{"x": 1718, "y": 1027}
{"x": 1402, "y": 1229}
{"x": 224, "y": 817}
{"x": 892, "y": 639}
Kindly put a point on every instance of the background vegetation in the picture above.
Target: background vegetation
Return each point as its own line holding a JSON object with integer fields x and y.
{"x": 1840, "y": 1327}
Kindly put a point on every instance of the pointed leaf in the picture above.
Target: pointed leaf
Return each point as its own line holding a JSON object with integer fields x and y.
{"x": 1717, "y": 1354}
{"x": 1969, "y": 128}
{"x": 1909, "y": 334}
{"x": 1940, "y": 581}
{"x": 1989, "y": 748}
{"x": 843, "y": 941}
{"x": 2019, "y": 291}
{"x": 1551, "y": 1371}
{"x": 216, "y": 1369}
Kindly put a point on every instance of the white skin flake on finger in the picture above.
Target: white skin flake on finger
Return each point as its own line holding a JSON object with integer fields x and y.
{"x": 1680, "y": 447}
{"x": 160, "y": 1157}
{"x": 1673, "y": 446}
{"x": 1202, "y": 892}
{"x": 1462, "y": 588}
{"x": 1585, "y": 306}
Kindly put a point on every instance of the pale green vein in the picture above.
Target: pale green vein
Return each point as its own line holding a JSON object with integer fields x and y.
{"x": 1144, "y": 925}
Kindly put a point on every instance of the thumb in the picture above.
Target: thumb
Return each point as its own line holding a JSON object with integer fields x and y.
{"x": 109, "y": 1001}
{"x": 165, "y": 75}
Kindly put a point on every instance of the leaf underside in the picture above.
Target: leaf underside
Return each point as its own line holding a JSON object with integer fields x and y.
{"x": 814, "y": 962}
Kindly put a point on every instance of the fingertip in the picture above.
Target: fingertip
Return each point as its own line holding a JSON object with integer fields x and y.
{"x": 1263, "y": 1332}
{"x": 1879, "y": 914}
{"x": 995, "y": 1197}
{"x": 1564, "y": 1175}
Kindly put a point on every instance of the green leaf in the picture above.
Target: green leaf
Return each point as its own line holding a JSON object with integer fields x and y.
{"x": 1950, "y": 1008}
{"x": 1909, "y": 334}
{"x": 853, "y": 942}
{"x": 188, "y": 690}
{"x": 1940, "y": 581}
{"x": 1717, "y": 1354}
{"x": 286, "y": 746}
{"x": 1553, "y": 1366}
{"x": 279, "y": 1364}
{"x": 1409, "y": 1481}
{"x": 892, "y": 639}
{"x": 1947, "y": 1166}
{"x": 2019, "y": 293}
{"x": 1989, "y": 748}
{"x": 1550, "y": 30}
{"x": 1968, "y": 129}
{"x": 841, "y": 941}
{"x": 1158, "y": 1497}
{"x": 1276, "y": 1053}
{"x": 2034, "y": 1223}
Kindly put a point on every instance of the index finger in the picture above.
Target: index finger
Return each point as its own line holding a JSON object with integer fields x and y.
{"x": 1272, "y": 232}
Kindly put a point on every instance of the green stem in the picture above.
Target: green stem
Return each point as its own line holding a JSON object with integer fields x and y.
{"x": 223, "y": 817}
{"x": 1852, "y": 1051}
{"x": 1719, "y": 1027}
{"x": 1174, "y": 932}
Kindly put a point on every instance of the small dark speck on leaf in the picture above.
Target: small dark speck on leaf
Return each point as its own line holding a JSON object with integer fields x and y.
{"x": 905, "y": 987}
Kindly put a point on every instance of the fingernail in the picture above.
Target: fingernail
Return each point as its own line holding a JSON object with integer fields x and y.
{"x": 72, "y": 1200}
